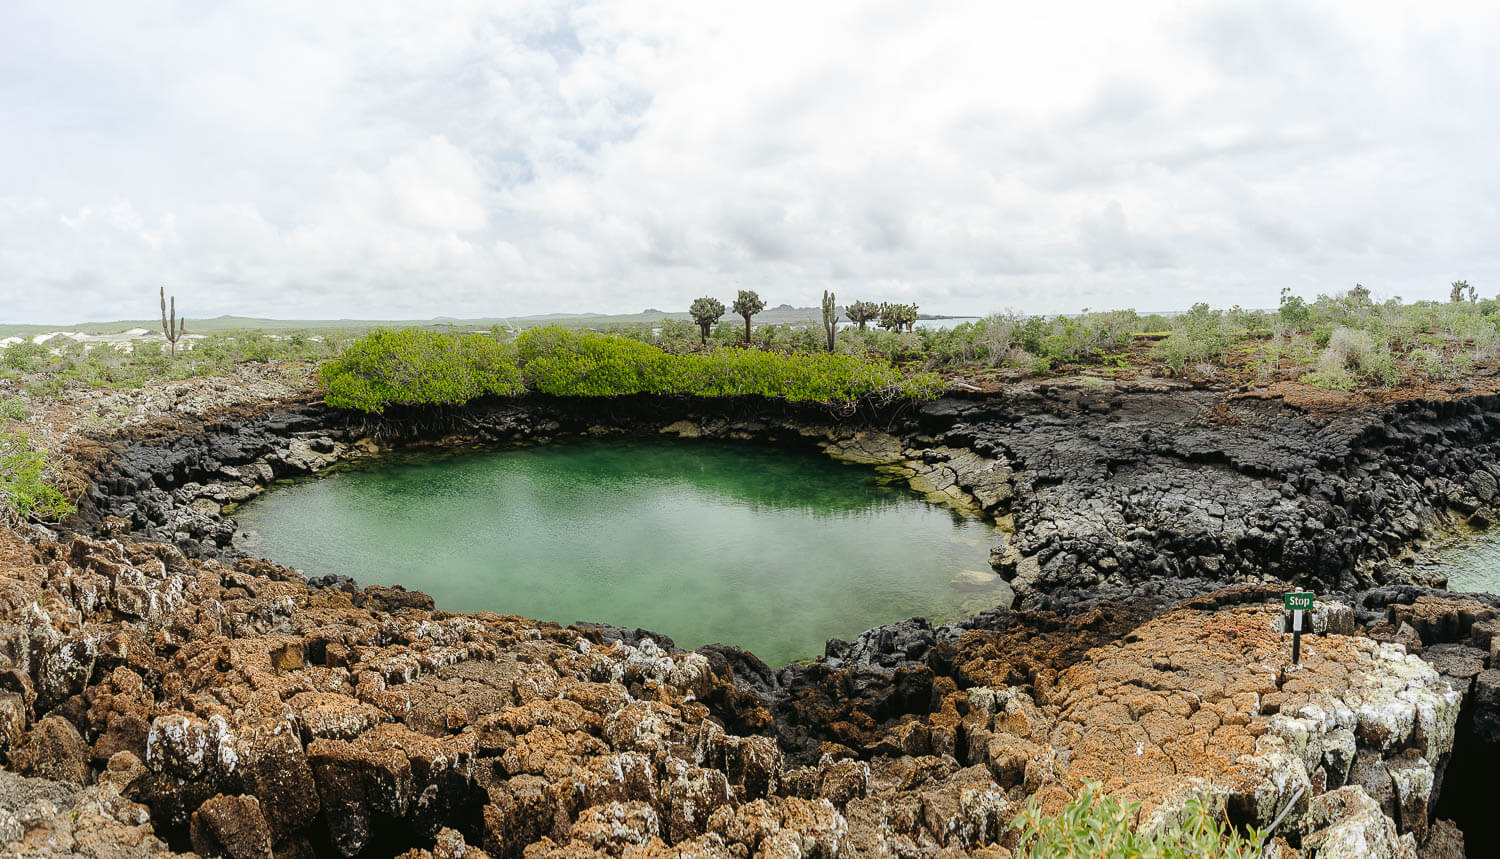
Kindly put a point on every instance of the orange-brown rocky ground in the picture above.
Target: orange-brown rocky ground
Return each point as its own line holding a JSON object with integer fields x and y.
{"x": 254, "y": 717}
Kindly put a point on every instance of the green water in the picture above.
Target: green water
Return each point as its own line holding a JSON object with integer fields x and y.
{"x": 1471, "y": 563}
{"x": 770, "y": 550}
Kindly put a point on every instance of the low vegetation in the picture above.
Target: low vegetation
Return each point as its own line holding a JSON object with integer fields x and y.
{"x": 415, "y": 367}
{"x": 40, "y": 371}
{"x": 1345, "y": 341}
{"x": 27, "y": 488}
{"x": 1098, "y": 826}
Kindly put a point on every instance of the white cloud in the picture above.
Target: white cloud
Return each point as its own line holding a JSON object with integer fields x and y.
{"x": 394, "y": 159}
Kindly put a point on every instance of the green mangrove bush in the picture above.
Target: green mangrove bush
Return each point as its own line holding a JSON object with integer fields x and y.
{"x": 425, "y": 368}
{"x": 412, "y": 367}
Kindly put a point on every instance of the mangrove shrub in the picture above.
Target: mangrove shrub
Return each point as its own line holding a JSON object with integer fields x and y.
{"x": 425, "y": 368}
{"x": 420, "y": 368}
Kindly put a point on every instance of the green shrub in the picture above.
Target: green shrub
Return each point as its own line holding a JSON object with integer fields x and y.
{"x": 1293, "y": 311}
{"x": 13, "y": 409}
{"x": 1430, "y": 363}
{"x": 1337, "y": 379}
{"x": 413, "y": 367}
{"x": 25, "y": 490}
{"x": 1098, "y": 826}
{"x": 25, "y": 356}
{"x": 1200, "y": 336}
{"x": 565, "y": 363}
{"x": 1378, "y": 364}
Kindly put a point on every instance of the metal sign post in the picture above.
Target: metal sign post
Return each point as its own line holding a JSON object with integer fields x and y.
{"x": 1297, "y": 603}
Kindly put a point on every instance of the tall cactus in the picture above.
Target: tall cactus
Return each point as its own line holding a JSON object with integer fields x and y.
{"x": 171, "y": 326}
{"x": 830, "y": 318}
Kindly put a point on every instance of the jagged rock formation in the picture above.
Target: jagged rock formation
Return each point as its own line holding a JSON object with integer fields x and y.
{"x": 1095, "y": 489}
{"x": 256, "y": 714}
{"x": 256, "y": 717}
{"x": 49, "y": 818}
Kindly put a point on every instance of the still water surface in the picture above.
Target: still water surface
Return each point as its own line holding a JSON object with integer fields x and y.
{"x": 1471, "y": 563}
{"x": 771, "y": 550}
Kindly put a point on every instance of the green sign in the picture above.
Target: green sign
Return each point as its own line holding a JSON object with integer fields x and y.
{"x": 1299, "y": 602}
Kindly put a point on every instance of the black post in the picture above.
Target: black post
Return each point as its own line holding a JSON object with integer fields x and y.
{"x": 1296, "y": 647}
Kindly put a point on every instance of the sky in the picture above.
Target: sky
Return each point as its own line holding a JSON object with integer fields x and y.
{"x": 372, "y": 159}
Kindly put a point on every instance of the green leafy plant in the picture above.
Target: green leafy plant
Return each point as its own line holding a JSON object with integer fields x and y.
{"x": 25, "y": 486}
{"x": 424, "y": 368}
{"x": 413, "y": 367}
{"x": 1097, "y": 826}
{"x": 1202, "y": 335}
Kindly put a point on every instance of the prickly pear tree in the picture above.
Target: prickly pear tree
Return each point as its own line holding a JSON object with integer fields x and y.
{"x": 706, "y": 311}
{"x": 830, "y": 318}
{"x": 747, "y": 304}
{"x": 889, "y": 316}
{"x": 861, "y": 312}
{"x": 896, "y": 317}
{"x": 171, "y": 326}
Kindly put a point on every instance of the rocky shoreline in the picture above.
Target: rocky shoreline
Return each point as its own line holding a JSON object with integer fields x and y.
{"x": 150, "y": 667}
{"x": 1096, "y": 489}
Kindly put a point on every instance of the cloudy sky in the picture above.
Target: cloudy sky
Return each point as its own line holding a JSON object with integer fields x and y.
{"x": 375, "y": 159}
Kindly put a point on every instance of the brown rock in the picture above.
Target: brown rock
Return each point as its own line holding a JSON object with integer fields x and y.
{"x": 1007, "y": 756}
{"x": 287, "y": 656}
{"x": 55, "y": 750}
{"x": 690, "y": 796}
{"x": 393, "y": 599}
{"x": 1444, "y": 841}
{"x": 356, "y": 784}
{"x": 519, "y": 813}
{"x": 614, "y": 826}
{"x": 842, "y": 781}
{"x": 126, "y": 732}
{"x": 275, "y": 770}
{"x": 753, "y": 765}
{"x": 231, "y": 827}
{"x": 327, "y": 715}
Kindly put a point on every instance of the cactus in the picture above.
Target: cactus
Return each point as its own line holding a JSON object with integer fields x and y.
{"x": 861, "y": 312}
{"x": 830, "y": 318}
{"x": 171, "y": 326}
{"x": 747, "y": 304}
{"x": 706, "y": 311}
{"x": 898, "y": 317}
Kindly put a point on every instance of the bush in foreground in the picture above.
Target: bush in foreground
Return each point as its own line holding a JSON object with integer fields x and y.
{"x": 24, "y": 488}
{"x": 424, "y": 368}
{"x": 1099, "y": 826}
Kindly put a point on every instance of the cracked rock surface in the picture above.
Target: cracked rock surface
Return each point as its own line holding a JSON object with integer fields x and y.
{"x": 251, "y": 716}
{"x": 251, "y": 713}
